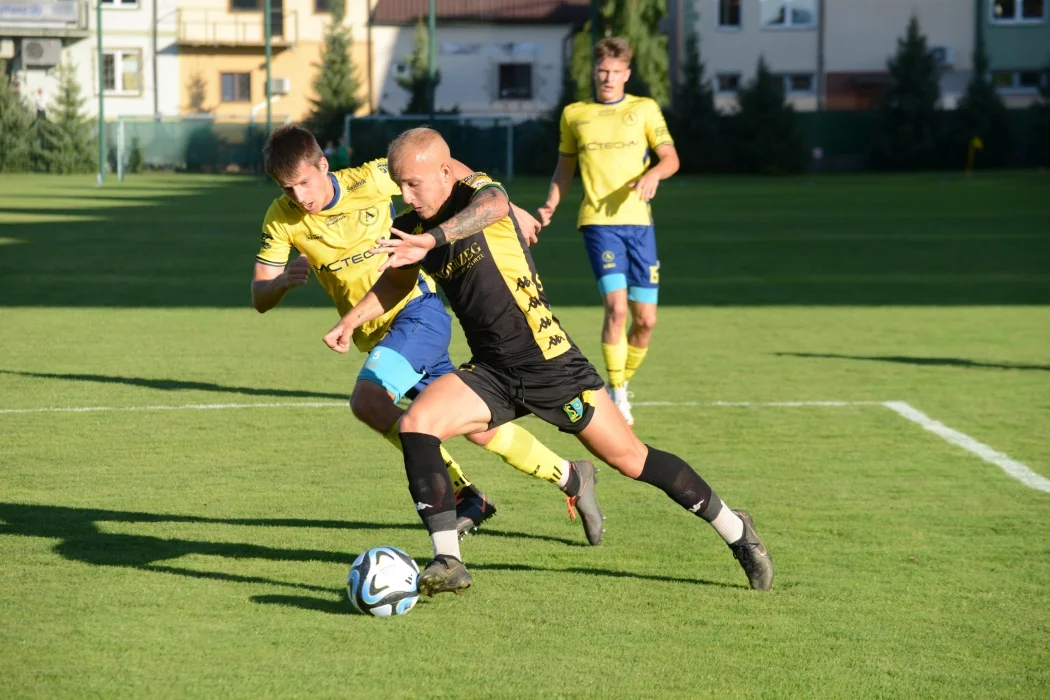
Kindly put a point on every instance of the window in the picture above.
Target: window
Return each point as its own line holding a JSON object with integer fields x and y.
{"x": 122, "y": 71}
{"x": 515, "y": 81}
{"x": 729, "y": 13}
{"x": 120, "y": 3}
{"x": 1010, "y": 11}
{"x": 321, "y": 6}
{"x": 728, "y": 82}
{"x": 246, "y": 4}
{"x": 236, "y": 87}
{"x": 1017, "y": 81}
{"x": 788, "y": 13}
{"x": 798, "y": 82}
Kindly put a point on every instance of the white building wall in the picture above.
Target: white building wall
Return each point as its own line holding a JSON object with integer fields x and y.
{"x": 469, "y": 57}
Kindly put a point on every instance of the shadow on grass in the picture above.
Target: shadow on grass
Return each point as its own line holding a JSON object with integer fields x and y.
{"x": 925, "y": 361}
{"x": 180, "y": 385}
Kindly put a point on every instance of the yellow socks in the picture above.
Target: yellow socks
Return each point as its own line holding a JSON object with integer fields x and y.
{"x": 635, "y": 356}
{"x": 459, "y": 479}
{"x": 521, "y": 450}
{"x": 615, "y": 362}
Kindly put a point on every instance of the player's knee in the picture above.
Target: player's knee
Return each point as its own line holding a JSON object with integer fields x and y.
{"x": 630, "y": 460}
{"x": 417, "y": 422}
{"x": 616, "y": 311}
{"x": 645, "y": 321}
{"x": 365, "y": 402}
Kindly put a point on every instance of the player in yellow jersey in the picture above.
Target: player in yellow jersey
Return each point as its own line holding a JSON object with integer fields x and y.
{"x": 613, "y": 138}
{"x": 332, "y": 220}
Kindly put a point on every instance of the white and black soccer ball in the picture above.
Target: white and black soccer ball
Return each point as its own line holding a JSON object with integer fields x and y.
{"x": 382, "y": 582}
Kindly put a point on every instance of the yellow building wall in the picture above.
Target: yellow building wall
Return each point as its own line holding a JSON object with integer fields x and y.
{"x": 299, "y": 64}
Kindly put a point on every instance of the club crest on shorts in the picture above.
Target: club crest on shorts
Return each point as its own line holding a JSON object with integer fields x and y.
{"x": 574, "y": 409}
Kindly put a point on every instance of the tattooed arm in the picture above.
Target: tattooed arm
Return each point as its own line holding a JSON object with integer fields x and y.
{"x": 486, "y": 208}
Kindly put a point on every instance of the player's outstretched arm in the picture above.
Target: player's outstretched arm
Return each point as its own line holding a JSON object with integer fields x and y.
{"x": 391, "y": 287}
{"x": 528, "y": 224}
{"x": 560, "y": 184}
{"x": 271, "y": 283}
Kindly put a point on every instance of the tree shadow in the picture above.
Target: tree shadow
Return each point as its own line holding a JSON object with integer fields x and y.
{"x": 81, "y": 540}
{"x": 180, "y": 385}
{"x": 926, "y": 361}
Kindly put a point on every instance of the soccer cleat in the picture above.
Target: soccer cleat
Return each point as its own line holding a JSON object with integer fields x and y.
{"x": 586, "y": 502}
{"x": 445, "y": 574}
{"x": 752, "y": 555}
{"x": 472, "y": 509}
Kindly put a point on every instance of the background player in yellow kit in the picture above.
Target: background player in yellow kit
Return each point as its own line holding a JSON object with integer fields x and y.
{"x": 612, "y": 138}
{"x": 333, "y": 219}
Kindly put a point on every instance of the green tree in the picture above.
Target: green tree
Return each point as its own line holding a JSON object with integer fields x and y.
{"x": 764, "y": 133}
{"x": 69, "y": 137}
{"x": 336, "y": 84}
{"x": 198, "y": 90}
{"x": 17, "y": 131}
{"x": 909, "y": 124}
{"x": 694, "y": 119}
{"x": 417, "y": 79}
{"x": 1042, "y": 119}
{"x": 981, "y": 114}
{"x": 637, "y": 21}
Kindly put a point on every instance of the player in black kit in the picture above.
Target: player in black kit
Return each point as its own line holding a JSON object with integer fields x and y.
{"x": 523, "y": 362}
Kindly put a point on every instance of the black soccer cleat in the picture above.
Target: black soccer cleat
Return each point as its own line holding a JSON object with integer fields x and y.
{"x": 752, "y": 555}
{"x": 472, "y": 509}
{"x": 586, "y": 502}
{"x": 445, "y": 574}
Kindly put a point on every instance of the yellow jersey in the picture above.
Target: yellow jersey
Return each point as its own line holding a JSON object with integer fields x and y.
{"x": 613, "y": 143}
{"x": 336, "y": 242}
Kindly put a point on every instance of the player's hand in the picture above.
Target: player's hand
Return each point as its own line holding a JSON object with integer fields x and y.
{"x": 403, "y": 249}
{"x": 529, "y": 226}
{"x": 646, "y": 185}
{"x": 544, "y": 214}
{"x": 297, "y": 272}
{"x": 339, "y": 337}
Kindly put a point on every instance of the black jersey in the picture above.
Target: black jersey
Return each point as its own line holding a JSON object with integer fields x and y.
{"x": 491, "y": 283}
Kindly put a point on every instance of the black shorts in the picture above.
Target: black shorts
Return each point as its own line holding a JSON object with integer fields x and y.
{"x": 557, "y": 391}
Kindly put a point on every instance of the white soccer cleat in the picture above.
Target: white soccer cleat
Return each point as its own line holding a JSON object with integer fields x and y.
{"x": 619, "y": 398}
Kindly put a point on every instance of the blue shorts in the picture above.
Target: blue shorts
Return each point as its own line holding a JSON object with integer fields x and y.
{"x": 624, "y": 256}
{"x": 414, "y": 352}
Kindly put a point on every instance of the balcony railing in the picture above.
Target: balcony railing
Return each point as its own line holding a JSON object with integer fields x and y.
{"x": 42, "y": 18}
{"x": 221, "y": 28}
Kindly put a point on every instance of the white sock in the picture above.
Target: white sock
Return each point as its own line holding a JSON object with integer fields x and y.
{"x": 728, "y": 525}
{"x": 565, "y": 467}
{"x": 619, "y": 394}
{"x": 446, "y": 542}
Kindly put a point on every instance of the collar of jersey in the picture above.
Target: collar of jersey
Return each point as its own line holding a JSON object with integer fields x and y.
{"x": 335, "y": 197}
{"x": 614, "y": 103}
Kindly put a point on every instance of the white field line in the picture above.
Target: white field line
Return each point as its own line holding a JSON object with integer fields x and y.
{"x": 1012, "y": 467}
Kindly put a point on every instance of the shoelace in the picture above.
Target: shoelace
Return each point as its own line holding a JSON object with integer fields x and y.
{"x": 570, "y": 501}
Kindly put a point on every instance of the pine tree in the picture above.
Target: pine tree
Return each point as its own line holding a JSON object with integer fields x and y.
{"x": 17, "y": 132}
{"x": 637, "y": 21}
{"x": 70, "y": 139}
{"x": 336, "y": 84}
{"x": 417, "y": 80}
{"x": 910, "y": 123}
{"x": 764, "y": 133}
{"x": 981, "y": 114}
{"x": 694, "y": 119}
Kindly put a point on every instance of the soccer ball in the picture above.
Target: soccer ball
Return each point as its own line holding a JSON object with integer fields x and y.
{"x": 382, "y": 582}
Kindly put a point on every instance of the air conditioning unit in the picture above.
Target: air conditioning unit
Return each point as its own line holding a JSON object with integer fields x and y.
{"x": 41, "y": 52}
{"x": 943, "y": 55}
{"x": 280, "y": 86}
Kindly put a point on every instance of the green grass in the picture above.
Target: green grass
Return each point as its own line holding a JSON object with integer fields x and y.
{"x": 202, "y": 553}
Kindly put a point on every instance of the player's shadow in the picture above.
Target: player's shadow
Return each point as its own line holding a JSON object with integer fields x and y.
{"x": 923, "y": 361}
{"x": 179, "y": 385}
{"x": 80, "y": 539}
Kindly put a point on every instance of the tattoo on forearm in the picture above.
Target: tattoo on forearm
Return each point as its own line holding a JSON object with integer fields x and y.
{"x": 487, "y": 207}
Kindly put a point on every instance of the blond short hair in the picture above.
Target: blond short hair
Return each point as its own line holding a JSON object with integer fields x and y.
{"x": 613, "y": 47}
{"x": 421, "y": 138}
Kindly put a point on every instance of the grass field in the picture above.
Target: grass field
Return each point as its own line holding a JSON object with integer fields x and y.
{"x": 190, "y": 535}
